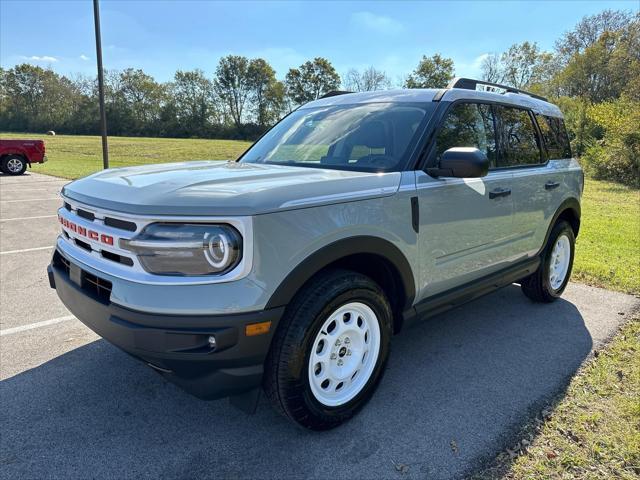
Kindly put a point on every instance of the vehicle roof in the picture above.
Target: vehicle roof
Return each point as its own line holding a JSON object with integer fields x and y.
{"x": 421, "y": 95}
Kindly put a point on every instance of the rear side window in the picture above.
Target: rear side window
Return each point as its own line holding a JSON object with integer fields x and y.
{"x": 468, "y": 125}
{"x": 554, "y": 133}
{"x": 517, "y": 138}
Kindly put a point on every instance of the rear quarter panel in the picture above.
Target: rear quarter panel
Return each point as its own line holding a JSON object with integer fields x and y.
{"x": 536, "y": 207}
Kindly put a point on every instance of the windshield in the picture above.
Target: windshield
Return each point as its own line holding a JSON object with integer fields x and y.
{"x": 367, "y": 137}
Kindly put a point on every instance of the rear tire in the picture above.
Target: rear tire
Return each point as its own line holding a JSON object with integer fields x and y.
{"x": 14, "y": 165}
{"x": 330, "y": 350}
{"x": 549, "y": 281}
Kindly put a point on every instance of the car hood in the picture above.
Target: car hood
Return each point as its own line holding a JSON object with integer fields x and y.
{"x": 224, "y": 188}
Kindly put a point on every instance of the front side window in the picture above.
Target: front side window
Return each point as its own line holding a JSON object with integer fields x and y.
{"x": 468, "y": 125}
{"x": 517, "y": 138}
{"x": 367, "y": 137}
{"x": 555, "y": 137}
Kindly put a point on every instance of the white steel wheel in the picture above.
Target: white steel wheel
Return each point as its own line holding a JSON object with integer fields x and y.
{"x": 559, "y": 262}
{"x": 344, "y": 354}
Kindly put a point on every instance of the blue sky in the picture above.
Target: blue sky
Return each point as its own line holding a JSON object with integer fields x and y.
{"x": 163, "y": 36}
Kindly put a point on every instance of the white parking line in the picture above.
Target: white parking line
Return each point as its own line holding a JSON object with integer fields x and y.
{"x": 26, "y": 218}
{"x": 31, "y": 326}
{"x": 30, "y": 200}
{"x": 20, "y": 182}
{"x": 12, "y": 190}
{"x": 24, "y": 250}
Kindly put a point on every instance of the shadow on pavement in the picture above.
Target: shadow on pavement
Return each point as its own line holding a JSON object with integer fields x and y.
{"x": 471, "y": 376}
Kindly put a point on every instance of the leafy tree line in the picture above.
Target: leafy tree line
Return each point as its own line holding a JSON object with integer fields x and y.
{"x": 592, "y": 73}
{"x": 241, "y": 100}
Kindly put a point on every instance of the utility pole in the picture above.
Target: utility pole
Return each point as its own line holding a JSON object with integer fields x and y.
{"x": 103, "y": 114}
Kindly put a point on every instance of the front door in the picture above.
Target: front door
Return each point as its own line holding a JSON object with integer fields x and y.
{"x": 466, "y": 225}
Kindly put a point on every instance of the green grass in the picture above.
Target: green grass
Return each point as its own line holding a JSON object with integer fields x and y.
{"x": 608, "y": 246}
{"x": 608, "y": 251}
{"x": 594, "y": 431}
{"x": 74, "y": 156}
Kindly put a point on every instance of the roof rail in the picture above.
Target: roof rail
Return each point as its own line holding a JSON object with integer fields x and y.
{"x": 471, "y": 84}
{"x": 334, "y": 93}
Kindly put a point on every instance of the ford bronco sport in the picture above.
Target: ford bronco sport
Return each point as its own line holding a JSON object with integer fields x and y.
{"x": 290, "y": 269}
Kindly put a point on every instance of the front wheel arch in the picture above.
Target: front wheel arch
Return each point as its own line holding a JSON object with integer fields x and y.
{"x": 375, "y": 257}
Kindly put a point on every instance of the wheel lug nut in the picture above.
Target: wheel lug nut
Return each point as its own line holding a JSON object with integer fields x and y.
{"x": 346, "y": 340}
{"x": 340, "y": 363}
{"x": 338, "y": 343}
{"x": 333, "y": 356}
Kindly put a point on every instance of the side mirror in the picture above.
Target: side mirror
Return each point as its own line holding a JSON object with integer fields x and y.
{"x": 461, "y": 162}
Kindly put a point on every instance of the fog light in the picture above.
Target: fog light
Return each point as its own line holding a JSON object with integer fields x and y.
{"x": 212, "y": 341}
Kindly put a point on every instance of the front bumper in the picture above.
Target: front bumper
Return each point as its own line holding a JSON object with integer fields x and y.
{"x": 174, "y": 345}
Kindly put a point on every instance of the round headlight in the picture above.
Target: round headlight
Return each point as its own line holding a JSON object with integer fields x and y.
{"x": 187, "y": 248}
{"x": 218, "y": 250}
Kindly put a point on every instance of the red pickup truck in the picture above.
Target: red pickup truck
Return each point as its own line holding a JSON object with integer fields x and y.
{"x": 15, "y": 155}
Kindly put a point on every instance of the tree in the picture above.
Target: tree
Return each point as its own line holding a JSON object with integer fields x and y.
{"x": 606, "y": 69}
{"x": 368, "y": 80}
{"x": 311, "y": 80}
{"x": 492, "y": 69}
{"x": 35, "y": 99}
{"x": 522, "y": 66}
{"x": 519, "y": 64}
{"x": 616, "y": 156}
{"x": 135, "y": 101}
{"x": 432, "y": 72}
{"x": 233, "y": 85}
{"x": 589, "y": 30}
{"x": 192, "y": 103}
{"x": 267, "y": 94}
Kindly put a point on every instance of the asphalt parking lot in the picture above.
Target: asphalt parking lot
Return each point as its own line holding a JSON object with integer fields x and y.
{"x": 73, "y": 406}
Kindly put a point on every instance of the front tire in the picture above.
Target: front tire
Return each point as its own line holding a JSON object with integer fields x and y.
{"x": 549, "y": 281}
{"x": 330, "y": 350}
{"x": 14, "y": 165}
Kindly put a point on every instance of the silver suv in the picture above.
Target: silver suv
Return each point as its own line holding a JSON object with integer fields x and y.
{"x": 290, "y": 269}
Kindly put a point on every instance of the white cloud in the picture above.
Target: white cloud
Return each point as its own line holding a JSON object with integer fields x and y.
{"x": 378, "y": 23}
{"x": 44, "y": 58}
{"x": 84, "y": 57}
{"x": 472, "y": 69}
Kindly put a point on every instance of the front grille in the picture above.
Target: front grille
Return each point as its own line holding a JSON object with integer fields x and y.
{"x": 82, "y": 244}
{"x": 77, "y": 235}
{"x": 121, "y": 224}
{"x": 102, "y": 288}
{"x": 86, "y": 215}
{"x": 97, "y": 287}
{"x": 114, "y": 257}
{"x": 60, "y": 262}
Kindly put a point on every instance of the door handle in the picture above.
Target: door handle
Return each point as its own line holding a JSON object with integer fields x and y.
{"x": 500, "y": 192}
{"x": 551, "y": 185}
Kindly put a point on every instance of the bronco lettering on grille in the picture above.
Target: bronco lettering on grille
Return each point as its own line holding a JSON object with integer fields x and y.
{"x": 85, "y": 232}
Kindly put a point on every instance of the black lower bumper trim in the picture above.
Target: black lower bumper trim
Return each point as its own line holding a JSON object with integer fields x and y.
{"x": 177, "y": 345}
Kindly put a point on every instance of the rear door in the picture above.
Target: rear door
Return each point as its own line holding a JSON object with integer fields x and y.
{"x": 465, "y": 223}
{"x": 535, "y": 183}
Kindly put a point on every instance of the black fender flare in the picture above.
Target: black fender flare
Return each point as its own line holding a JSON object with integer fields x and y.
{"x": 570, "y": 203}
{"x": 340, "y": 249}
